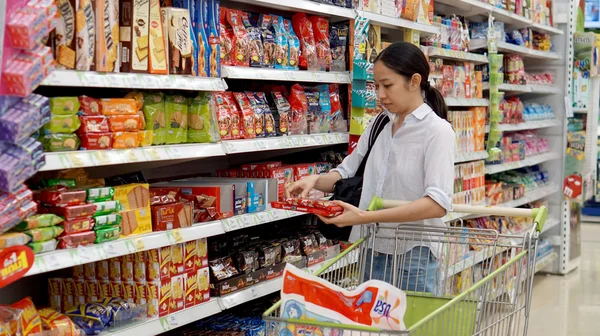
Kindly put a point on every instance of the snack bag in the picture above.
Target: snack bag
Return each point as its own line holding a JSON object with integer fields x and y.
{"x": 199, "y": 18}
{"x": 255, "y": 46}
{"x": 293, "y": 45}
{"x": 119, "y": 106}
{"x": 267, "y": 114}
{"x": 307, "y": 297}
{"x": 299, "y": 111}
{"x": 90, "y": 106}
{"x": 225, "y": 38}
{"x": 223, "y": 115}
{"x": 91, "y": 317}
{"x": 13, "y": 239}
{"x": 213, "y": 35}
{"x": 323, "y": 50}
{"x": 304, "y": 29}
{"x": 154, "y": 113}
{"x": 39, "y": 221}
{"x": 44, "y": 234}
{"x": 29, "y": 319}
{"x": 235, "y": 115}
{"x": 201, "y": 120}
{"x": 123, "y": 140}
{"x": 64, "y": 105}
{"x": 247, "y": 115}
{"x": 56, "y": 324}
{"x": 268, "y": 40}
{"x": 314, "y": 111}
{"x": 259, "y": 118}
{"x": 176, "y": 108}
{"x": 281, "y": 44}
{"x": 240, "y": 40}
{"x": 338, "y": 39}
{"x": 62, "y": 124}
{"x": 283, "y": 113}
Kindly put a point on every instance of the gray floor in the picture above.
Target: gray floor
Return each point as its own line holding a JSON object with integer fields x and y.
{"x": 570, "y": 305}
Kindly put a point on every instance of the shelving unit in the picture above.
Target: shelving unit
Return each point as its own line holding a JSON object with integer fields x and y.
{"x": 233, "y": 72}
{"x": 528, "y": 162}
{"x": 529, "y": 125}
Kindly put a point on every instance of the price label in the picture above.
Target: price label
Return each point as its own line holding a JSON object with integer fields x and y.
{"x": 130, "y": 247}
{"x": 319, "y": 139}
{"x": 295, "y": 141}
{"x": 110, "y": 249}
{"x": 139, "y": 244}
{"x": 247, "y": 220}
{"x": 260, "y": 145}
{"x": 164, "y": 323}
{"x": 262, "y": 217}
{"x": 86, "y": 254}
{"x": 40, "y": 265}
{"x": 76, "y": 160}
{"x": 276, "y": 214}
{"x": 289, "y": 75}
{"x": 176, "y": 236}
{"x": 153, "y": 154}
{"x": 172, "y": 321}
{"x": 253, "y": 293}
{"x": 343, "y": 78}
{"x": 229, "y": 147}
{"x": 102, "y": 158}
{"x": 230, "y": 224}
{"x": 131, "y": 156}
{"x": 307, "y": 141}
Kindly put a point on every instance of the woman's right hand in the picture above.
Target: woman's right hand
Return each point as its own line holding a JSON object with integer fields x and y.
{"x": 302, "y": 187}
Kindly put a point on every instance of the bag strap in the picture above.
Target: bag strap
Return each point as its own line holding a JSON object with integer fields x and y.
{"x": 378, "y": 124}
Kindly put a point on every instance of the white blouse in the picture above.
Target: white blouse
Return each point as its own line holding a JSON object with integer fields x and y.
{"x": 415, "y": 162}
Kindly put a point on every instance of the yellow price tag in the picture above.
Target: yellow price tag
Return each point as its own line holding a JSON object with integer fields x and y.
{"x": 177, "y": 235}
{"x": 76, "y": 161}
{"x": 131, "y": 156}
{"x": 139, "y": 245}
{"x": 153, "y": 154}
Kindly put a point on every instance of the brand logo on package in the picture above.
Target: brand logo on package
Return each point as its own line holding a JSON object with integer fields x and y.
{"x": 15, "y": 262}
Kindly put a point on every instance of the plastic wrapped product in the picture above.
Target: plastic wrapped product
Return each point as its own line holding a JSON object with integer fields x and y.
{"x": 176, "y": 108}
{"x": 119, "y": 106}
{"x": 107, "y": 233}
{"x": 76, "y": 239}
{"x": 107, "y": 220}
{"x": 90, "y": 106}
{"x": 93, "y": 124}
{"x": 99, "y": 194}
{"x": 202, "y": 124}
{"x": 61, "y": 196}
{"x": 74, "y": 211}
{"x": 317, "y": 207}
{"x": 57, "y": 324}
{"x": 93, "y": 318}
{"x": 42, "y": 247}
{"x": 155, "y": 116}
{"x": 78, "y": 225}
{"x": 43, "y": 234}
{"x": 107, "y": 207}
{"x": 62, "y": 124}
{"x": 338, "y": 40}
{"x": 13, "y": 239}
{"x": 60, "y": 142}
{"x": 305, "y": 31}
{"x": 64, "y": 105}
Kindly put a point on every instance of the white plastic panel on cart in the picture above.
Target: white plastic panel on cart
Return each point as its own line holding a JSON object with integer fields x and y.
{"x": 286, "y": 75}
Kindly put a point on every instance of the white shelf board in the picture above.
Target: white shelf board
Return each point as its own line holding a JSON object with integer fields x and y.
{"x": 546, "y": 29}
{"x": 590, "y": 219}
{"x": 529, "y": 88}
{"x": 455, "y": 55}
{"x": 393, "y": 22}
{"x": 160, "y": 325}
{"x": 96, "y": 158}
{"x": 132, "y": 81}
{"x": 259, "y": 290}
{"x": 529, "y": 161}
{"x": 466, "y": 157}
{"x": 508, "y": 48}
{"x": 455, "y": 102}
{"x": 238, "y": 72}
{"x": 542, "y": 88}
{"x": 529, "y": 125}
{"x": 286, "y": 142}
{"x": 60, "y": 259}
{"x": 304, "y": 6}
{"x": 531, "y": 196}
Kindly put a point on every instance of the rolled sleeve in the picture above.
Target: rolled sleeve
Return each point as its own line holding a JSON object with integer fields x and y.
{"x": 439, "y": 164}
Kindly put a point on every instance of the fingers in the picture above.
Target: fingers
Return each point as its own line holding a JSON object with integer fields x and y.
{"x": 345, "y": 205}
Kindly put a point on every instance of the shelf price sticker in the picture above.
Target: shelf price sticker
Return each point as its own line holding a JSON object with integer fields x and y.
{"x": 75, "y": 160}
{"x": 231, "y": 224}
{"x": 139, "y": 244}
{"x": 175, "y": 236}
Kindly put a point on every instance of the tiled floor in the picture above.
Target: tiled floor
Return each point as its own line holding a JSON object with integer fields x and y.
{"x": 570, "y": 305}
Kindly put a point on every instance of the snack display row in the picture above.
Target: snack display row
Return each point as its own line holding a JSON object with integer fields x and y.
{"x": 413, "y": 10}
{"x": 536, "y": 11}
{"x": 524, "y": 37}
{"x": 456, "y": 79}
{"x": 454, "y": 34}
{"x": 508, "y": 186}
{"x": 469, "y": 127}
{"x": 164, "y": 280}
{"x": 518, "y": 146}
{"x": 469, "y": 183}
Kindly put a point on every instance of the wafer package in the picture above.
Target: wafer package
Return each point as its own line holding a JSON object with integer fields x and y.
{"x": 132, "y": 196}
{"x": 172, "y": 216}
{"x": 137, "y": 221}
{"x": 85, "y": 28}
{"x": 179, "y": 42}
{"x": 157, "y": 49}
{"x": 317, "y": 207}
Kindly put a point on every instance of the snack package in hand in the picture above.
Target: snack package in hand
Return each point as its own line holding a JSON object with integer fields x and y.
{"x": 307, "y": 297}
{"x": 314, "y": 206}
{"x": 304, "y": 29}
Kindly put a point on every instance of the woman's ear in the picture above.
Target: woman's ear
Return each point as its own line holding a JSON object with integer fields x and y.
{"x": 415, "y": 82}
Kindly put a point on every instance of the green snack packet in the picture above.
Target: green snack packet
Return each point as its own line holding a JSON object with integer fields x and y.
{"x": 68, "y": 123}
{"x": 108, "y": 207}
{"x": 38, "y": 221}
{"x": 44, "y": 233}
{"x": 176, "y": 108}
{"x": 100, "y": 194}
{"x": 45, "y": 246}
{"x": 64, "y": 105}
{"x": 70, "y": 183}
{"x": 107, "y": 234}
{"x": 107, "y": 220}
{"x": 154, "y": 113}
{"x": 202, "y": 123}
{"x": 60, "y": 142}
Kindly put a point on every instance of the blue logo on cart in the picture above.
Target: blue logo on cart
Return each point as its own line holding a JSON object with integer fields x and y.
{"x": 382, "y": 308}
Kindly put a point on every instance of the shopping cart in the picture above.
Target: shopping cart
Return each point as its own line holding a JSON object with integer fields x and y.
{"x": 484, "y": 278}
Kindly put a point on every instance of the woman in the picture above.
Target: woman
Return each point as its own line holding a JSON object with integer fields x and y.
{"x": 411, "y": 160}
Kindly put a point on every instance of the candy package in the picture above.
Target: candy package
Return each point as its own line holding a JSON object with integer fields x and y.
{"x": 269, "y": 120}
{"x": 247, "y": 115}
{"x": 304, "y": 28}
{"x": 255, "y": 45}
{"x": 235, "y": 114}
{"x": 76, "y": 239}
{"x": 268, "y": 40}
{"x": 317, "y": 207}
{"x": 222, "y": 268}
{"x": 240, "y": 41}
{"x": 315, "y": 115}
{"x": 305, "y": 296}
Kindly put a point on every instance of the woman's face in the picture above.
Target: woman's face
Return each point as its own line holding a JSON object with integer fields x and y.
{"x": 395, "y": 92}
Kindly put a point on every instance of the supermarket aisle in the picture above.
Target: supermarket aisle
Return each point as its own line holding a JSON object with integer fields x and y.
{"x": 570, "y": 305}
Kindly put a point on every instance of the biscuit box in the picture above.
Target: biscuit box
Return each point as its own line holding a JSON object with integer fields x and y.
{"x": 140, "y": 296}
{"x": 216, "y": 195}
{"x": 152, "y": 291}
{"x": 201, "y": 21}
{"x": 153, "y": 265}
{"x": 79, "y": 292}
{"x": 92, "y": 290}
{"x": 64, "y": 35}
{"x": 191, "y": 288}
{"x": 284, "y": 177}
{"x": 158, "y": 52}
{"x": 102, "y": 268}
{"x": 139, "y": 267}
{"x": 189, "y": 259}
{"x": 55, "y": 294}
{"x": 107, "y": 34}
{"x": 203, "y": 291}
{"x": 85, "y": 30}
{"x": 177, "y": 255}
{"x": 78, "y": 272}
{"x": 133, "y": 196}
{"x": 134, "y": 23}
{"x": 214, "y": 38}
{"x": 126, "y": 267}
{"x": 105, "y": 288}
{"x": 117, "y": 288}
{"x": 178, "y": 40}
{"x": 129, "y": 291}
{"x": 164, "y": 297}
{"x": 114, "y": 269}
{"x": 177, "y": 293}
{"x": 201, "y": 260}
{"x": 89, "y": 271}
{"x": 172, "y": 216}
{"x": 136, "y": 222}
{"x": 165, "y": 262}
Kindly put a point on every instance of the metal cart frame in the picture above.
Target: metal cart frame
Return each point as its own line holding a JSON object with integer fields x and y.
{"x": 496, "y": 302}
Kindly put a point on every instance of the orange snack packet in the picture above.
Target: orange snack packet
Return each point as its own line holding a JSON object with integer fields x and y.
{"x": 124, "y": 123}
{"x": 125, "y": 140}
{"x": 119, "y": 106}
{"x": 56, "y": 324}
{"x": 30, "y": 319}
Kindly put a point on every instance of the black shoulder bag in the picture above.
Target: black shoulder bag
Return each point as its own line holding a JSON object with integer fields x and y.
{"x": 350, "y": 189}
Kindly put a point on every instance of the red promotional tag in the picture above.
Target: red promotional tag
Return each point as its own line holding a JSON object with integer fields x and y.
{"x": 15, "y": 261}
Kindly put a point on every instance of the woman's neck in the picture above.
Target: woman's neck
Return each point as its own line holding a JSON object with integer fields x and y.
{"x": 400, "y": 116}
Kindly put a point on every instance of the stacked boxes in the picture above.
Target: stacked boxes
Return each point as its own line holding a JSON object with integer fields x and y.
{"x": 135, "y": 205}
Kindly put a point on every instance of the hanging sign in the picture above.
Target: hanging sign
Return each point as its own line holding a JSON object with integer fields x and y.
{"x": 15, "y": 262}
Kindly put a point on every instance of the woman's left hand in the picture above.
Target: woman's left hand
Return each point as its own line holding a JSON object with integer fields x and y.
{"x": 351, "y": 216}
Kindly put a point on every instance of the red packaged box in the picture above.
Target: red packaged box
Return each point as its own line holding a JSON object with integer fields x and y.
{"x": 177, "y": 266}
{"x": 203, "y": 292}
{"x": 93, "y": 124}
{"x": 189, "y": 259}
{"x": 78, "y": 272}
{"x": 125, "y": 123}
{"x": 165, "y": 262}
{"x": 141, "y": 292}
{"x": 78, "y": 225}
{"x": 284, "y": 177}
{"x": 191, "y": 288}
{"x": 152, "y": 293}
{"x": 177, "y": 293}
{"x": 303, "y": 170}
{"x": 126, "y": 267}
{"x": 67, "y": 294}
{"x": 55, "y": 293}
{"x": 139, "y": 267}
{"x": 92, "y": 291}
{"x": 152, "y": 265}
{"x": 60, "y": 196}
{"x": 172, "y": 216}
{"x": 90, "y": 106}
{"x": 201, "y": 253}
{"x": 317, "y": 207}
{"x": 117, "y": 289}
{"x": 89, "y": 271}
{"x": 102, "y": 270}
{"x": 105, "y": 288}
{"x": 259, "y": 170}
{"x": 129, "y": 291}
{"x": 114, "y": 269}
{"x": 79, "y": 292}
{"x": 74, "y": 211}
{"x": 76, "y": 239}
{"x": 93, "y": 141}
{"x": 162, "y": 291}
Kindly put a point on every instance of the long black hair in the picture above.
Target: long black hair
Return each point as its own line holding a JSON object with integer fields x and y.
{"x": 406, "y": 59}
